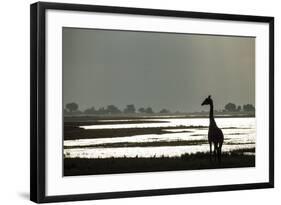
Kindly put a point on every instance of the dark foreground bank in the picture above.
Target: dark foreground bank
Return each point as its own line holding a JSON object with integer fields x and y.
{"x": 79, "y": 166}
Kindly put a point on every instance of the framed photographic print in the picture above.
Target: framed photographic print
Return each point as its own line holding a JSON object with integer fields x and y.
{"x": 129, "y": 102}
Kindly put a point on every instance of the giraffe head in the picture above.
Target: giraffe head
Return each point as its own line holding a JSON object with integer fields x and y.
{"x": 207, "y": 101}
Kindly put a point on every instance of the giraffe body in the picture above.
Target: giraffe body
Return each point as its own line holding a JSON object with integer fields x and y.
{"x": 215, "y": 134}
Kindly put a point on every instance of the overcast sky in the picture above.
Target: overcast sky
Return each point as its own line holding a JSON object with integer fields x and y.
{"x": 161, "y": 70}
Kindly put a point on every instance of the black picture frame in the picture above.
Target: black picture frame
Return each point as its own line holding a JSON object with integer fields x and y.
{"x": 38, "y": 101}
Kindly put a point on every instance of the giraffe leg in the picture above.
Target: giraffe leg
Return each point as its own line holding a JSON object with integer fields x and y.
{"x": 210, "y": 143}
{"x": 216, "y": 151}
{"x": 220, "y": 145}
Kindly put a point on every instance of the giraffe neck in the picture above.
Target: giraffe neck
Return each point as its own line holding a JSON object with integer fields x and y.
{"x": 211, "y": 116}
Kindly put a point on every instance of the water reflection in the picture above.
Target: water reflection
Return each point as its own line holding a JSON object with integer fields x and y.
{"x": 221, "y": 122}
{"x": 239, "y": 133}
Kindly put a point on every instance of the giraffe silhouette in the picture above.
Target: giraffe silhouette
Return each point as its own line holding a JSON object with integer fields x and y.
{"x": 215, "y": 135}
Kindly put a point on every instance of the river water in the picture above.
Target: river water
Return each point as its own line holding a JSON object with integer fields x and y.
{"x": 239, "y": 133}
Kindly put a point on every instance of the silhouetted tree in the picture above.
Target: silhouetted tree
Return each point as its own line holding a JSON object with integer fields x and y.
{"x": 239, "y": 108}
{"x": 130, "y": 109}
{"x": 149, "y": 110}
{"x": 248, "y": 108}
{"x": 141, "y": 110}
{"x": 72, "y": 107}
{"x": 91, "y": 110}
{"x": 112, "y": 109}
{"x": 101, "y": 111}
{"x": 163, "y": 111}
{"x": 230, "y": 107}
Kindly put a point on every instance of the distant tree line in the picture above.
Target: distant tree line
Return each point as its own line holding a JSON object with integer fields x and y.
{"x": 231, "y": 107}
{"x": 73, "y": 108}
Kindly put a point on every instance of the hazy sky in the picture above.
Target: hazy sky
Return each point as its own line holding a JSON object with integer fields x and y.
{"x": 161, "y": 70}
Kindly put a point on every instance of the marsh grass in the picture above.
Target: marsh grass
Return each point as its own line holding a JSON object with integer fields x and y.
{"x": 81, "y": 166}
